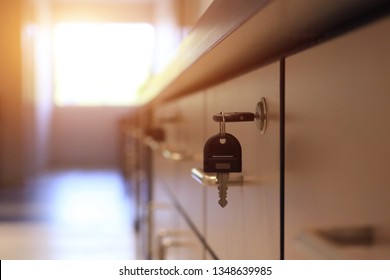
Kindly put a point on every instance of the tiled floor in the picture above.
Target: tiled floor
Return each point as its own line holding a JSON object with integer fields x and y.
{"x": 69, "y": 215}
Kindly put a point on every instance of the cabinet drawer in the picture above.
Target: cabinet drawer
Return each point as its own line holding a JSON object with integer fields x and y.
{"x": 182, "y": 121}
{"x": 337, "y": 147}
{"x": 248, "y": 227}
{"x": 167, "y": 118}
{"x": 172, "y": 238}
{"x": 189, "y": 193}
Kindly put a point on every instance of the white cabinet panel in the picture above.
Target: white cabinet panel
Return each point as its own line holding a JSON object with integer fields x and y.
{"x": 185, "y": 137}
{"x": 189, "y": 193}
{"x": 337, "y": 146}
{"x": 248, "y": 227}
{"x": 172, "y": 237}
{"x": 173, "y": 160}
{"x": 163, "y": 213}
{"x": 167, "y": 118}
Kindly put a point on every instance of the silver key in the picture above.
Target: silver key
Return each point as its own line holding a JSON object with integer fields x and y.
{"x": 223, "y": 179}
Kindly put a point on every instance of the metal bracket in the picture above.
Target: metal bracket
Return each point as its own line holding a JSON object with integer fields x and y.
{"x": 212, "y": 181}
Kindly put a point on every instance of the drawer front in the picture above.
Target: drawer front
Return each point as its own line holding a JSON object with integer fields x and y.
{"x": 172, "y": 238}
{"x": 167, "y": 117}
{"x": 189, "y": 193}
{"x": 182, "y": 122}
{"x": 249, "y": 226}
{"x": 337, "y": 147}
{"x": 184, "y": 138}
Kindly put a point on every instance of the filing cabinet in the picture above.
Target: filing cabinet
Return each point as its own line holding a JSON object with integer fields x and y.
{"x": 248, "y": 227}
{"x": 315, "y": 184}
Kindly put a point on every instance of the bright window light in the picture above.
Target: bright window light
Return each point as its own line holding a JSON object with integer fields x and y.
{"x": 101, "y": 64}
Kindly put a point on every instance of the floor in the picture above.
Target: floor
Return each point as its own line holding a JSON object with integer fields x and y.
{"x": 72, "y": 214}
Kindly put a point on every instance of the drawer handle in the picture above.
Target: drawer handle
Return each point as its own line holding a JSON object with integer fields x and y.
{"x": 165, "y": 152}
{"x": 168, "y": 239}
{"x": 151, "y": 143}
{"x": 211, "y": 180}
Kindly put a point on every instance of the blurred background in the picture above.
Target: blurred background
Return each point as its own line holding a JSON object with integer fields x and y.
{"x": 70, "y": 71}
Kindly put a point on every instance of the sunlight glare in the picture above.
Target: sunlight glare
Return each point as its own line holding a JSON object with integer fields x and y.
{"x": 101, "y": 63}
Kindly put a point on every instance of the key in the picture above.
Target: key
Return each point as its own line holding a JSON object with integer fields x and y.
{"x": 222, "y": 156}
{"x": 223, "y": 179}
{"x": 235, "y": 117}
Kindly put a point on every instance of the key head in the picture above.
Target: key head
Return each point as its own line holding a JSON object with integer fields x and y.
{"x": 222, "y": 155}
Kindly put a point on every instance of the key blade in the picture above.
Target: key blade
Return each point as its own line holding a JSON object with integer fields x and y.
{"x": 222, "y": 196}
{"x": 223, "y": 179}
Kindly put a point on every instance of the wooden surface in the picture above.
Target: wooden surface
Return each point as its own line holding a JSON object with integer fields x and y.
{"x": 225, "y": 43}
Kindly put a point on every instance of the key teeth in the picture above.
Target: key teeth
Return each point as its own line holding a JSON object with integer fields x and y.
{"x": 222, "y": 188}
{"x": 222, "y": 203}
{"x": 222, "y": 197}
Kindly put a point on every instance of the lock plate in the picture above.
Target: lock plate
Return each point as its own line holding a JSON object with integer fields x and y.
{"x": 261, "y": 115}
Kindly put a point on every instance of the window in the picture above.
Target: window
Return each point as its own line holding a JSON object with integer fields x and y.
{"x": 101, "y": 64}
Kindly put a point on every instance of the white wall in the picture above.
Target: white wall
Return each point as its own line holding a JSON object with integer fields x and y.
{"x": 86, "y": 137}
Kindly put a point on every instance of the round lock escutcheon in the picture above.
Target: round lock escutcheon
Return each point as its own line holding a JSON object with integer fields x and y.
{"x": 261, "y": 115}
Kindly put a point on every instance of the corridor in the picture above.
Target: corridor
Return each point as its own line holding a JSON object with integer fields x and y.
{"x": 72, "y": 214}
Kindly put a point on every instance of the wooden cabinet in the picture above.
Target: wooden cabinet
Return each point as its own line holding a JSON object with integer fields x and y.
{"x": 337, "y": 147}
